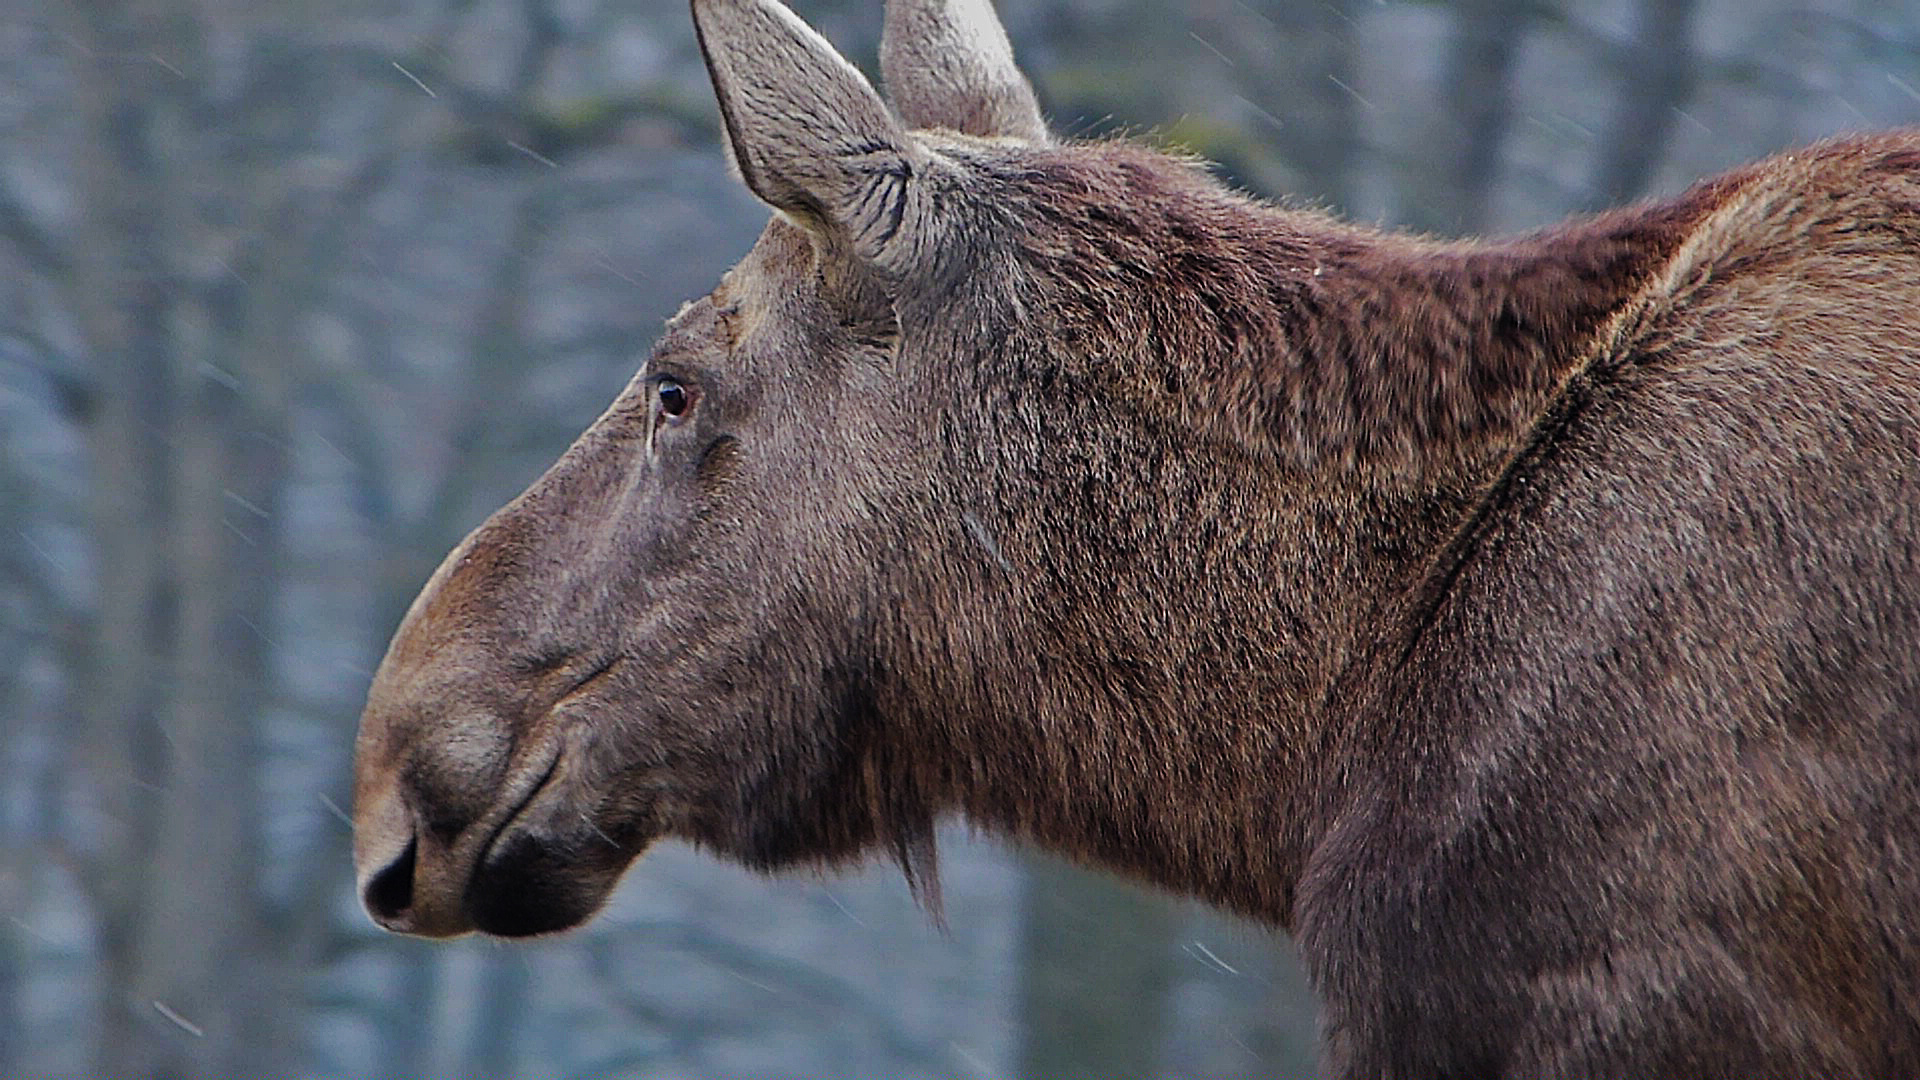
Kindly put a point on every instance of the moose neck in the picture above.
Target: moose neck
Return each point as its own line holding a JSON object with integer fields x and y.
{"x": 1267, "y": 490}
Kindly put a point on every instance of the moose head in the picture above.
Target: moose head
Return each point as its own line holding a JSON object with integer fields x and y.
{"x": 710, "y": 617}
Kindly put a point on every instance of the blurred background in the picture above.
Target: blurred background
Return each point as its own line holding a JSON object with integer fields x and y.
{"x": 293, "y": 293}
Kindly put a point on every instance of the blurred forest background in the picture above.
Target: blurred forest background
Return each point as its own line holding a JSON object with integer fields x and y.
{"x": 292, "y": 294}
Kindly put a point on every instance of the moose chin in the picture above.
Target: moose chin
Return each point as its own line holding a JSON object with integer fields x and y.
{"x": 1530, "y": 627}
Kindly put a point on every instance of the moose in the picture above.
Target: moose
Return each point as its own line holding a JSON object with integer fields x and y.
{"x": 1530, "y": 627}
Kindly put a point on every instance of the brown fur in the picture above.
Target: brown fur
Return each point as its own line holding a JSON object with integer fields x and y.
{"x": 1528, "y": 626}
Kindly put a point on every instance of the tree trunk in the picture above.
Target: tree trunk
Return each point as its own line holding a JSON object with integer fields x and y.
{"x": 1653, "y": 87}
{"x": 200, "y": 943}
{"x": 1298, "y": 63}
{"x": 189, "y": 456}
{"x": 120, "y": 289}
{"x": 502, "y": 1005}
{"x": 1476, "y": 100}
{"x": 1098, "y": 967}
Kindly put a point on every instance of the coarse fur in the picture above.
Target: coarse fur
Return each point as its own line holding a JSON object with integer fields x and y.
{"x": 1528, "y": 626}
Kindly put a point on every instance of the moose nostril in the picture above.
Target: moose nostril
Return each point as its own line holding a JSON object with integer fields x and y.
{"x": 390, "y": 892}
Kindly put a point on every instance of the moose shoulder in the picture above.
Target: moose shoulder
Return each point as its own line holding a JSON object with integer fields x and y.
{"x": 1529, "y": 626}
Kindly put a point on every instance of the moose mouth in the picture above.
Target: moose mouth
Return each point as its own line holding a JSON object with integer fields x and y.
{"x": 531, "y": 870}
{"x": 555, "y": 858}
{"x": 537, "y": 863}
{"x": 520, "y": 885}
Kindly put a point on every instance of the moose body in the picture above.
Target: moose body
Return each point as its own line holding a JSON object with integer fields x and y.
{"x": 1529, "y": 627}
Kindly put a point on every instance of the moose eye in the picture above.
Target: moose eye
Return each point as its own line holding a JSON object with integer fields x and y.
{"x": 673, "y": 397}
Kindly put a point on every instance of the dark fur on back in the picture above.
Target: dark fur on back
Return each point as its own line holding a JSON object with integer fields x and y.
{"x": 1320, "y": 343}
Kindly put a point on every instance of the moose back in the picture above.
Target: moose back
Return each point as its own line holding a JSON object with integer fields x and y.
{"x": 1531, "y": 628}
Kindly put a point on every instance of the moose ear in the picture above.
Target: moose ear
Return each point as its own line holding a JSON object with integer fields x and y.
{"x": 809, "y": 134}
{"x": 948, "y": 64}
